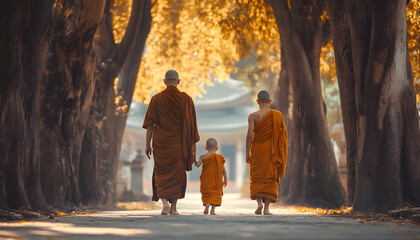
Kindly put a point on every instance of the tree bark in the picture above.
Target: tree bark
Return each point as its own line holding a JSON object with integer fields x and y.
{"x": 383, "y": 128}
{"x": 313, "y": 171}
{"x": 25, "y": 28}
{"x": 345, "y": 77}
{"x": 102, "y": 140}
{"x": 282, "y": 101}
{"x": 283, "y": 96}
{"x": 45, "y": 95}
{"x": 66, "y": 97}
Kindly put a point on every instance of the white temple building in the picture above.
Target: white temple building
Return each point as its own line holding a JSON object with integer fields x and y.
{"x": 222, "y": 113}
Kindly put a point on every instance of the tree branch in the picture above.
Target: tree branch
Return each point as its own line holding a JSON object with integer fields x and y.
{"x": 119, "y": 52}
{"x": 294, "y": 51}
{"x": 122, "y": 50}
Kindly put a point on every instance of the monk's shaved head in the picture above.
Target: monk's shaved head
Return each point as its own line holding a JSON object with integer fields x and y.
{"x": 263, "y": 96}
{"x": 211, "y": 143}
{"x": 171, "y": 76}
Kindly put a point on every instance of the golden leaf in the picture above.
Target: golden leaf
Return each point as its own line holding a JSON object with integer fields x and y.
{"x": 62, "y": 214}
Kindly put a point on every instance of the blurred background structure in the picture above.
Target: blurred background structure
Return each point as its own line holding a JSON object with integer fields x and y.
{"x": 222, "y": 113}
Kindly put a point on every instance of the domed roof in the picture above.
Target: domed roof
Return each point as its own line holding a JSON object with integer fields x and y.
{"x": 223, "y": 94}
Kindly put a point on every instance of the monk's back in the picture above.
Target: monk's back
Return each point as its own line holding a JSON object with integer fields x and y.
{"x": 266, "y": 152}
{"x": 171, "y": 123}
{"x": 259, "y": 116}
{"x": 169, "y": 112}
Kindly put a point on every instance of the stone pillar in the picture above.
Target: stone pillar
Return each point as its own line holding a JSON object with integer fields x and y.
{"x": 122, "y": 184}
{"x": 137, "y": 166}
{"x": 239, "y": 164}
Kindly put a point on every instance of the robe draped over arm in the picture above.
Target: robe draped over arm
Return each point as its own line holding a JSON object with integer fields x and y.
{"x": 189, "y": 133}
{"x": 279, "y": 144}
{"x": 151, "y": 114}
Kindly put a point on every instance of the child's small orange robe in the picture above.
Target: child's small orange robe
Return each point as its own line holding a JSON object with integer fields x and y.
{"x": 211, "y": 180}
{"x": 268, "y": 156}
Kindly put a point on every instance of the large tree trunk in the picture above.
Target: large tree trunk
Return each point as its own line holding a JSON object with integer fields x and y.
{"x": 378, "y": 74}
{"x": 102, "y": 140}
{"x": 345, "y": 77}
{"x": 128, "y": 75}
{"x": 66, "y": 98}
{"x": 25, "y": 30}
{"x": 46, "y": 91}
{"x": 313, "y": 171}
{"x": 282, "y": 103}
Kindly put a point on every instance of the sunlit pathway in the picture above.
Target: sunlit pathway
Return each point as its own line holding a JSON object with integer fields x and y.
{"x": 234, "y": 221}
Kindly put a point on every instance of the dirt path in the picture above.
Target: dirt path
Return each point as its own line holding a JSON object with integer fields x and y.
{"x": 234, "y": 221}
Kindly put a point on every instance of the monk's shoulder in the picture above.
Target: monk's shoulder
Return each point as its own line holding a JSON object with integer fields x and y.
{"x": 188, "y": 97}
{"x": 277, "y": 113}
{"x": 203, "y": 156}
{"x": 156, "y": 97}
{"x": 253, "y": 116}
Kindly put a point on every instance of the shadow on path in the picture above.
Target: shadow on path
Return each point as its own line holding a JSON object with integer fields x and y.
{"x": 234, "y": 221}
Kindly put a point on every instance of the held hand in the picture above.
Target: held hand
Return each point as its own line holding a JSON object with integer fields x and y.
{"x": 247, "y": 158}
{"x": 225, "y": 183}
{"x": 148, "y": 151}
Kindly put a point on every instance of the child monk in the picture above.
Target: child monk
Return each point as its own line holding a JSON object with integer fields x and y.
{"x": 213, "y": 176}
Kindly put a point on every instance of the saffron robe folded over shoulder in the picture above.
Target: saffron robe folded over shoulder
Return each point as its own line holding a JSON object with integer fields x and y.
{"x": 268, "y": 156}
{"x": 211, "y": 180}
{"x": 174, "y": 138}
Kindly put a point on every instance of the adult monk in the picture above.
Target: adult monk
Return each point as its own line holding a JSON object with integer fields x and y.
{"x": 171, "y": 121}
{"x": 266, "y": 153}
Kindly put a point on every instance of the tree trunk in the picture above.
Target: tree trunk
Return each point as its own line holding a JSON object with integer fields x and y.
{"x": 345, "y": 77}
{"x": 313, "y": 171}
{"x": 102, "y": 141}
{"x": 387, "y": 166}
{"x": 282, "y": 103}
{"x": 25, "y": 29}
{"x": 128, "y": 78}
{"x": 67, "y": 95}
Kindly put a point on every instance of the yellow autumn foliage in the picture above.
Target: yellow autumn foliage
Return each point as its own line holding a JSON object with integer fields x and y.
{"x": 327, "y": 62}
{"x": 121, "y": 12}
{"x": 255, "y": 33}
{"x": 185, "y": 36}
{"x": 136, "y": 206}
{"x": 413, "y": 32}
{"x": 196, "y": 39}
{"x": 62, "y": 214}
{"x": 323, "y": 211}
{"x": 203, "y": 39}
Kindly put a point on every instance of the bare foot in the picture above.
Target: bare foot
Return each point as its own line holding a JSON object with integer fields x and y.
{"x": 212, "y": 213}
{"x": 259, "y": 210}
{"x": 266, "y": 212}
{"x": 206, "y": 209}
{"x": 174, "y": 212}
{"x": 165, "y": 209}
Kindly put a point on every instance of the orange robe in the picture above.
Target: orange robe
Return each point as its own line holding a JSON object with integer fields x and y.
{"x": 211, "y": 180}
{"x": 174, "y": 138}
{"x": 268, "y": 156}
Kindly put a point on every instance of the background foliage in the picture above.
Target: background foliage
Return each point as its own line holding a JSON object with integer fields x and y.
{"x": 209, "y": 39}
